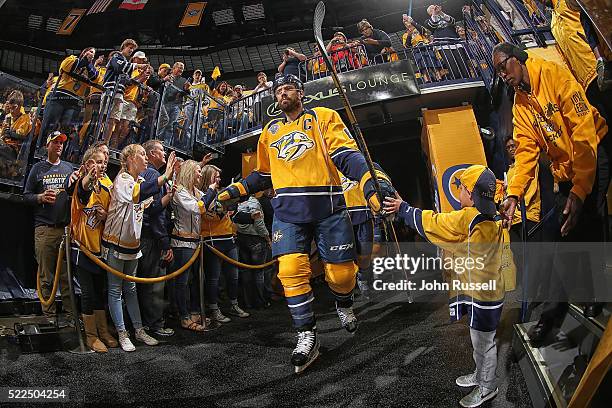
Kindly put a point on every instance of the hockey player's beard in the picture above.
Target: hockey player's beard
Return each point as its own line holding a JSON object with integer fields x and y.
{"x": 288, "y": 105}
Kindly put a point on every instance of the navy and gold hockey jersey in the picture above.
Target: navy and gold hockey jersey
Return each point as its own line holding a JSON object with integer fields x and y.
{"x": 86, "y": 226}
{"x": 301, "y": 159}
{"x": 69, "y": 87}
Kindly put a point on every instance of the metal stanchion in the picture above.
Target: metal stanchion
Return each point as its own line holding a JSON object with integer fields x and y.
{"x": 81, "y": 348}
{"x": 524, "y": 237}
{"x": 213, "y": 323}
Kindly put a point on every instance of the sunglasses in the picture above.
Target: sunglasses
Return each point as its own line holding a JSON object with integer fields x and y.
{"x": 501, "y": 67}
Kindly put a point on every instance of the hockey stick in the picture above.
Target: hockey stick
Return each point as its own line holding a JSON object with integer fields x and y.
{"x": 317, "y": 24}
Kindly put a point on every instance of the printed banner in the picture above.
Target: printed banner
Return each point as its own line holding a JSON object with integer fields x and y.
{"x": 193, "y": 14}
{"x": 71, "y": 21}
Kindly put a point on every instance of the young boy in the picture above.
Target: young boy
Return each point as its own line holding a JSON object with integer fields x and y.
{"x": 469, "y": 233}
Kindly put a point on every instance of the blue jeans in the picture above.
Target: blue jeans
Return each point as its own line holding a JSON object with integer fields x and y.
{"x": 181, "y": 256}
{"x": 58, "y": 114}
{"x": 254, "y": 250}
{"x": 151, "y": 295}
{"x": 213, "y": 266}
{"x": 117, "y": 288}
{"x": 169, "y": 130}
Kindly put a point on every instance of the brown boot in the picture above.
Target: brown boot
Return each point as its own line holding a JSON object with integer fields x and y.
{"x": 103, "y": 332}
{"x": 91, "y": 334}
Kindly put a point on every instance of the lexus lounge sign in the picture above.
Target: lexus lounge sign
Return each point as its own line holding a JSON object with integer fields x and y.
{"x": 363, "y": 86}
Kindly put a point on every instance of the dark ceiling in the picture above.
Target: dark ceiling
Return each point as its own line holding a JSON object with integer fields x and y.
{"x": 157, "y": 24}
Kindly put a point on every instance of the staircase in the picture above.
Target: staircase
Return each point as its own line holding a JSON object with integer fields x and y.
{"x": 553, "y": 371}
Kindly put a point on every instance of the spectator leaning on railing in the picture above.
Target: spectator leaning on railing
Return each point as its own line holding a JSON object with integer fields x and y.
{"x": 441, "y": 24}
{"x": 426, "y": 58}
{"x": 374, "y": 40}
{"x": 176, "y": 89}
{"x": 291, "y": 62}
{"x": 117, "y": 66}
{"x": 14, "y": 131}
{"x": 136, "y": 84}
{"x": 62, "y": 107}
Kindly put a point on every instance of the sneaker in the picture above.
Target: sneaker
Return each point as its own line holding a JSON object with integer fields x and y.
{"x": 468, "y": 380}
{"x": 164, "y": 332}
{"x": 235, "y": 310}
{"x": 476, "y": 397}
{"x": 306, "y": 351}
{"x": 124, "y": 341}
{"x": 347, "y": 318}
{"x": 364, "y": 288}
{"x": 141, "y": 335}
{"x": 220, "y": 317}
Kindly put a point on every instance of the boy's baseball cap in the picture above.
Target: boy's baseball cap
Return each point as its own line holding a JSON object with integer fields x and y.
{"x": 56, "y": 135}
{"x": 164, "y": 65}
{"x": 481, "y": 182}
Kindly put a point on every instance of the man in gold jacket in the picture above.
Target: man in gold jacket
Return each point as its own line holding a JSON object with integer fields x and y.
{"x": 552, "y": 114}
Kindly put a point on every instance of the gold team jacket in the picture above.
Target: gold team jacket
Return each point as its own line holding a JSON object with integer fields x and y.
{"x": 571, "y": 41}
{"x": 555, "y": 117}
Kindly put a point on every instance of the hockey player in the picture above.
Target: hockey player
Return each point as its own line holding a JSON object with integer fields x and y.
{"x": 300, "y": 155}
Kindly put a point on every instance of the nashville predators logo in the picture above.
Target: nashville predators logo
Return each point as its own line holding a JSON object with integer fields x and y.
{"x": 92, "y": 216}
{"x": 347, "y": 184}
{"x": 292, "y": 146}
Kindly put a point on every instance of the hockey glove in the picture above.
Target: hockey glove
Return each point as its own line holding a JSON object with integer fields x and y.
{"x": 369, "y": 191}
{"x": 231, "y": 192}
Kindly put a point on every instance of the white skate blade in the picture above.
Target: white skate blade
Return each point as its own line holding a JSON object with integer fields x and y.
{"x": 300, "y": 369}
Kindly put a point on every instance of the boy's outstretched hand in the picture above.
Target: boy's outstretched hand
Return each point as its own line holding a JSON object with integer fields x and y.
{"x": 392, "y": 205}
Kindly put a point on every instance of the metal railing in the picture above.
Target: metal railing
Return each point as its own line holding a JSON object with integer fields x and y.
{"x": 344, "y": 59}
{"x": 438, "y": 63}
{"x": 244, "y": 115}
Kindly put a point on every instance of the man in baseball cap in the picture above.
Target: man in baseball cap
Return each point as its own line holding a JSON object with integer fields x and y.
{"x": 139, "y": 57}
{"x": 57, "y": 135}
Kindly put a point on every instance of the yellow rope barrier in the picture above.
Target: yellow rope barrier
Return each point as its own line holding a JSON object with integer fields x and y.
{"x": 136, "y": 279}
{"x": 58, "y": 268}
{"x": 237, "y": 263}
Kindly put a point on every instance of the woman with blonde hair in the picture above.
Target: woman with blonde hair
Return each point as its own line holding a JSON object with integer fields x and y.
{"x": 121, "y": 240}
{"x": 89, "y": 206}
{"x": 187, "y": 206}
{"x": 217, "y": 231}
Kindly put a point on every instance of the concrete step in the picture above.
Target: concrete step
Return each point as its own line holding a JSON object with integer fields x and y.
{"x": 553, "y": 371}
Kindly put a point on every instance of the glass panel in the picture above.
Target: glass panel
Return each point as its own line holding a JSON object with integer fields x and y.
{"x": 19, "y": 123}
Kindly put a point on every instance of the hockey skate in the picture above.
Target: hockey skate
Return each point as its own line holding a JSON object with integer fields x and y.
{"x": 306, "y": 351}
{"x": 347, "y": 318}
